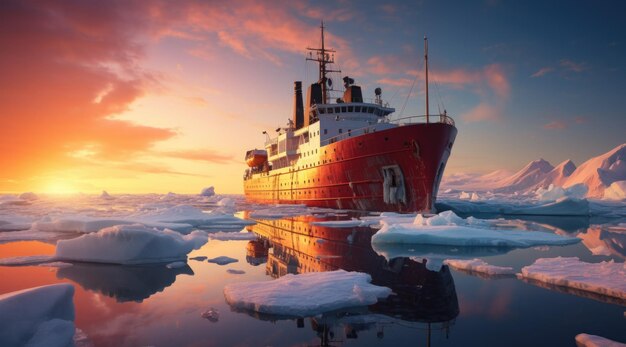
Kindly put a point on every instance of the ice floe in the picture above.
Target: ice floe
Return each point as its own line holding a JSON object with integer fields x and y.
{"x": 130, "y": 244}
{"x": 176, "y": 265}
{"x": 605, "y": 278}
{"x": 235, "y": 272}
{"x": 306, "y": 294}
{"x": 450, "y": 230}
{"x": 586, "y": 340}
{"x": 41, "y": 316}
{"x": 480, "y": 266}
{"x": 30, "y": 196}
{"x": 222, "y": 260}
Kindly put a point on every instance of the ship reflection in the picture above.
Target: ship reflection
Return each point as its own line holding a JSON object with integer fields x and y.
{"x": 123, "y": 282}
{"x": 424, "y": 300}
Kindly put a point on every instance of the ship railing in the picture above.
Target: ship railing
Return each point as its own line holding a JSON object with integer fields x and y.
{"x": 442, "y": 118}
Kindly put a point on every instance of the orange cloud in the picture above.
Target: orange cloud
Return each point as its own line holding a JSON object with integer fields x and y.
{"x": 202, "y": 155}
{"x": 67, "y": 68}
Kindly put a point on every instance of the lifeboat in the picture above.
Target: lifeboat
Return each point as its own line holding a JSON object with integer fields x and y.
{"x": 256, "y": 157}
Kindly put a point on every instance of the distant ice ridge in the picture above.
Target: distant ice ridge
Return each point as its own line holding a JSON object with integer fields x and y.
{"x": 605, "y": 278}
{"x": 208, "y": 191}
{"x": 586, "y": 340}
{"x": 448, "y": 229}
{"x": 306, "y": 294}
{"x": 597, "y": 174}
{"x": 130, "y": 244}
{"x": 41, "y": 316}
{"x": 181, "y": 218}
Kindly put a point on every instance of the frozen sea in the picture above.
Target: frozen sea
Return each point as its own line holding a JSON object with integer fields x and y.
{"x": 178, "y": 304}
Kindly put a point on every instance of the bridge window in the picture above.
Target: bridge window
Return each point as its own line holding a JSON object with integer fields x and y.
{"x": 343, "y": 109}
{"x": 350, "y": 109}
{"x": 357, "y": 108}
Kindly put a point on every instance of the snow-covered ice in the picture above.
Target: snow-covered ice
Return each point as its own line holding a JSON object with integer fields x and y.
{"x": 478, "y": 265}
{"x": 222, "y": 260}
{"x": 605, "y": 278}
{"x": 41, "y": 316}
{"x": 450, "y": 230}
{"x": 586, "y": 340}
{"x": 130, "y": 244}
{"x": 305, "y": 294}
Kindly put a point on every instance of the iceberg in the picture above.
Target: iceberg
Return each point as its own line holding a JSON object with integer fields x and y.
{"x": 616, "y": 191}
{"x": 130, "y": 244}
{"x": 605, "y": 278}
{"x": 41, "y": 316}
{"x": 208, "y": 191}
{"x": 305, "y": 294}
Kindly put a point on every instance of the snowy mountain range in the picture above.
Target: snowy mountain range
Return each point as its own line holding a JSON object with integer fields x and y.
{"x": 604, "y": 176}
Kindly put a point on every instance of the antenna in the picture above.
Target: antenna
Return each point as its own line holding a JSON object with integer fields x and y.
{"x": 323, "y": 57}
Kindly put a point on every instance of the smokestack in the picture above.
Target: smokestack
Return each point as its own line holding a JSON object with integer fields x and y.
{"x": 298, "y": 112}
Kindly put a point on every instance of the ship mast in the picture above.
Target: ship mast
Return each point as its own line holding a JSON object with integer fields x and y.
{"x": 323, "y": 57}
{"x": 426, "y": 66}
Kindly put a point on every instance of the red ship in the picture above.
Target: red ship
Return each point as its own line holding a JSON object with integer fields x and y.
{"x": 351, "y": 154}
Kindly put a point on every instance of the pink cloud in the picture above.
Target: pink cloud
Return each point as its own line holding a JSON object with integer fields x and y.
{"x": 580, "y": 120}
{"x": 398, "y": 82}
{"x": 483, "y": 112}
{"x": 543, "y": 71}
{"x": 555, "y": 125}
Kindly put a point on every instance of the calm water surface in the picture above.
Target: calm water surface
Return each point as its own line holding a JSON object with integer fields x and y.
{"x": 157, "y": 306}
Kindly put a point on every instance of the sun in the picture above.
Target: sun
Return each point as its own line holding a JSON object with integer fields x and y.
{"x": 59, "y": 188}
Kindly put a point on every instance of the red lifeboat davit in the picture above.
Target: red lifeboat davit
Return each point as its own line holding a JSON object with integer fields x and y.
{"x": 256, "y": 157}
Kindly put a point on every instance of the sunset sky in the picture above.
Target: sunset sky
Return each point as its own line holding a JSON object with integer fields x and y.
{"x": 158, "y": 96}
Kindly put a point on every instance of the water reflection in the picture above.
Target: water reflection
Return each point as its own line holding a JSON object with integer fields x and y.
{"x": 425, "y": 300}
{"x": 123, "y": 282}
{"x": 607, "y": 241}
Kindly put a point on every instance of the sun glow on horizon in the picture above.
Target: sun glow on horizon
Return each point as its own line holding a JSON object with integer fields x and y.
{"x": 59, "y": 187}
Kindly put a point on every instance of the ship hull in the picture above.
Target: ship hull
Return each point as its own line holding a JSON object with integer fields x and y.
{"x": 354, "y": 173}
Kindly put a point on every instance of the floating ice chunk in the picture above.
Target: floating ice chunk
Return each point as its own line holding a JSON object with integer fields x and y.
{"x": 228, "y": 236}
{"x": 616, "y": 191}
{"x": 130, "y": 244}
{"x": 586, "y": 340}
{"x": 26, "y": 260}
{"x": 208, "y": 191}
{"x": 235, "y": 272}
{"x": 464, "y": 196}
{"x": 223, "y": 260}
{"x": 451, "y": 230}
{"x": 188, "y": 215}
{"x": 477, "y": 265}
{"x": 41, "y": 316}
{"x": 199, "y": 258}
{"x": 605, "y": 278}
{"x": 305, "y": 294}
{"x": 29, "y": 196}
{"x": 176, "y": 265}
{"x": 212, "y": 314}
